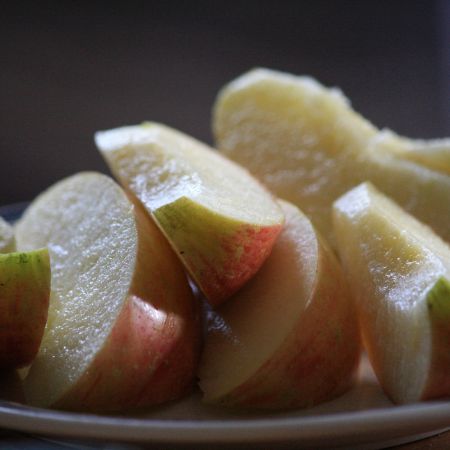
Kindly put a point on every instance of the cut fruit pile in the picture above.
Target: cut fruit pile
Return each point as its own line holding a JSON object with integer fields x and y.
{"x": 299, "y": 279}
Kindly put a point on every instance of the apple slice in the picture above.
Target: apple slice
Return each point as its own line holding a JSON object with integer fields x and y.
{"x": 289, "y": 338}
{"x": 123, "y": 327}
{"x": 24, "y": 299}
{"x": 433, "y": 153}
{"x": 309, "y": 147}
{"x": 397, "y": 267}
{"x": 7, "y": 241}
{"x": 221, "y": 222}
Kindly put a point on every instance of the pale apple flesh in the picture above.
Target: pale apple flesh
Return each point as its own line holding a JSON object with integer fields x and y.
{"x": 7, "y": 240}
{"x": 122, "y": 317}
{"x": 432, "y": 153}
{"x": 309, "y": 147}
{"x": 393, "y": 261}
{"x": 289, "y": 338}
{"x": 24, "y": 300}
{"x": 220, "y": 221}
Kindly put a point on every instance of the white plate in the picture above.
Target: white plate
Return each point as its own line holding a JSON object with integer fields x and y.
{"x": 362, "y": 418}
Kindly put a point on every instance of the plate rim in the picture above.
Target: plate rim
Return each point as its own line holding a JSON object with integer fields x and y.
{"x": 13, "y": 211}
{"x": 395, "y": 422}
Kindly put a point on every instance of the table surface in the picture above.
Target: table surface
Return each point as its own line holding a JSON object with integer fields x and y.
{"x": 13, "y": 440}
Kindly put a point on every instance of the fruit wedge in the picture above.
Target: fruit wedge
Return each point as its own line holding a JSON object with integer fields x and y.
{"x": 399, "y": 271}
{"x": 24, "y": 299}
{"x": 289, "y": 338}
{"x": 433, "y": 153}
{"x": 308, "y": 146}
{"x": 221, "y": 222}
{"x": 7, "y": 241}
{"x": 122, "y": 330}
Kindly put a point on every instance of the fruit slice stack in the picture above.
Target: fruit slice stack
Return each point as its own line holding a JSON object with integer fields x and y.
{"x": 289, "y": 338}
{"x": 122, "y": 329}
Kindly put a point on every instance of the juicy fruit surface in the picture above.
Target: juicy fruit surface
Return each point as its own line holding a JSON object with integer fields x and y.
{"x": 274, "y": 344}
{"x": 88, "y": 225}
{"x": 7, "y": 241}
{"x": 24, "y": 299}
{"x": 221, "y": 222}
{"x": 393, "y": 261}
{"x": 306, "y": 144}
{"x": 165, "y": 165}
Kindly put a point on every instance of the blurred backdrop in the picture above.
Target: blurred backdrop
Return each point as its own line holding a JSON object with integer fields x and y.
{"x": 70, "y": 68}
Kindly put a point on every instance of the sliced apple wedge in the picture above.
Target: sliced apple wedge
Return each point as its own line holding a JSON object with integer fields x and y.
{"x": 289, "y": 338}
{"x": 7, "y": 241}
{"x": 432, "y": 153}
{"x": 308, "y": 146}
{"x": 398, "y": 270}
{"x": 221, "y": 222}
{"x": 123, "y": 329}
{"x": 24, "y": 299}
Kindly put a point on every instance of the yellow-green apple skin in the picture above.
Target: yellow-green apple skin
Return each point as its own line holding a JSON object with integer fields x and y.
{"x": 289, "y": 338}
{"x": 308, "y": 146}
{"x": 221, "y": 222}
{"x": 123, "y": 329}
{"x": 24, "y": 299}
{"x": 397, "y": 269}
{"x": 7, "y": 240}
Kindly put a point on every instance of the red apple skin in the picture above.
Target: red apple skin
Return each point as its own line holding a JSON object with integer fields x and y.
{"x": 143, "y": 363}
{"x": 24, "y": 300}
{"x": 318, "y": 361}
{"x": 223, "y": 268}
{"x": 438, "y": 383}
{"x": 219, "y": 283}
{"x": 152, "y": 352}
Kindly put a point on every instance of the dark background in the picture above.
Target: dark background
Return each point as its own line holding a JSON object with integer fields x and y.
{"x": 68, "y": 69}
